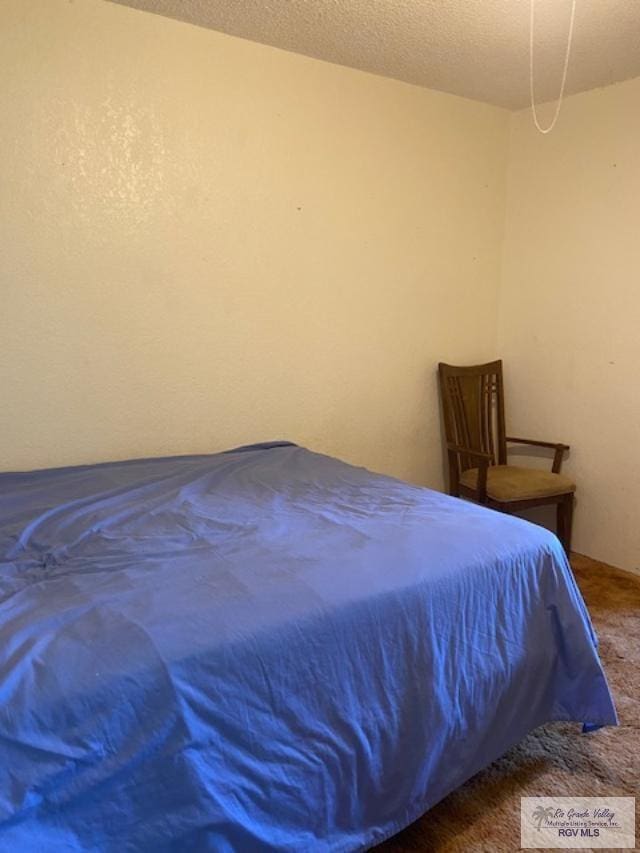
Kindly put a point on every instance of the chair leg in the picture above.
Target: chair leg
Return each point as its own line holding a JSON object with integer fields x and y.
{"x": 454, "y": 475}
{"x": 565, "y": 522}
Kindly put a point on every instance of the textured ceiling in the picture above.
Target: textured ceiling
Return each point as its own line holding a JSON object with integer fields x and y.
{"x": 475, "y": 48}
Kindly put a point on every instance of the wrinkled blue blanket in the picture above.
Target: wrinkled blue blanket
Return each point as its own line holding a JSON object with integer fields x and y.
{"x": 266, "y": 649}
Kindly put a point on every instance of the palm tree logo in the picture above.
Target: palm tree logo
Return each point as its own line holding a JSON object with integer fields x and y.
{"x": 541, "y": 814}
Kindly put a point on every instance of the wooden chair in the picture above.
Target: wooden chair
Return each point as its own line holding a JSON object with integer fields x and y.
{"x": 473, "y": 407}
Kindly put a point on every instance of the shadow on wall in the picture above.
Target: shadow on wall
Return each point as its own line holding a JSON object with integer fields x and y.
{"x": 545, "y": 516}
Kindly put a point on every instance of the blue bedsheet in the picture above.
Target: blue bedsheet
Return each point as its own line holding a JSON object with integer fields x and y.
{"x": 266, "y": 650}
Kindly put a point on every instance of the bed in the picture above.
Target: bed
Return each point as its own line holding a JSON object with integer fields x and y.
{"x": 266, "y": 650}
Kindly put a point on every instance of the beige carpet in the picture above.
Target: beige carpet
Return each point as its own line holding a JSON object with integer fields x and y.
{"x": 557, "y": 759}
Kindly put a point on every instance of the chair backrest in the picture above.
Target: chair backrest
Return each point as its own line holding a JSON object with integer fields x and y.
{"x": 473, "y": 408}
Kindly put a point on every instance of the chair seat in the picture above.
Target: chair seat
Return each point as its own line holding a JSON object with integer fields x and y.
{"x": 510, "y": 483}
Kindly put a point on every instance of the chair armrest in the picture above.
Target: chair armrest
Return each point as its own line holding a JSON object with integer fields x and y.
{"x": 557, "y": 456}
{"x": 483, "y": 464}
{"x": 479, "y": 454}
{"x": 531, "y": 441}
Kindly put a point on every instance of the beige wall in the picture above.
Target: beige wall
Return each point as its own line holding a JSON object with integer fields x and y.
{"x": 570, "y": 305}
{"x": 207, "y": 242}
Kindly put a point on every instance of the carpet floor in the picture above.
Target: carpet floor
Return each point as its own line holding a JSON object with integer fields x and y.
{"x": 556, "y": 759}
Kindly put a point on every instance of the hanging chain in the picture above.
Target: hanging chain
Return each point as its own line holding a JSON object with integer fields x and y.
{"x": 564, "y": 71}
